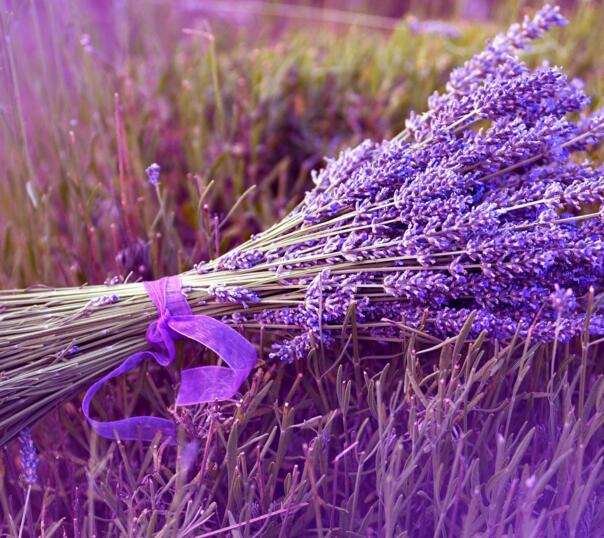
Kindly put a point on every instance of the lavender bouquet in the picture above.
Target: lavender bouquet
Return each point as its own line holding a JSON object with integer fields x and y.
{"x": 487, "y": 207}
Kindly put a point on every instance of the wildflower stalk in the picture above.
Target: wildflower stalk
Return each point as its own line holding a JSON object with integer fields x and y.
{"x": 25, "y": 509}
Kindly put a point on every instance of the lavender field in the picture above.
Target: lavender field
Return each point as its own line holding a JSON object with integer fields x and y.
{"x": 384, "y": 232}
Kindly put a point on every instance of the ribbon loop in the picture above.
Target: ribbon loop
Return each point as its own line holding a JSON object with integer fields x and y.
{"x": 198, "y": 385}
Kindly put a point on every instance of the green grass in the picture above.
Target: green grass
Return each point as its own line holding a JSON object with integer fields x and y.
{"x": 465, "y": 440}
{"x": 471, "y": 439}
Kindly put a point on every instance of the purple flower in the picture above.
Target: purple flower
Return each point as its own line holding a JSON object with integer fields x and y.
{"x": 563, "y": 301}
{"x": 153, "y": 171}
{"x": 29, "y": 456}
{"x": 233, "y": 294}
{"x": 72, "y": 350}
{"x": 103, "y": 300}
{"x": 293, "y": 349}
{"x": 480, "y": 207}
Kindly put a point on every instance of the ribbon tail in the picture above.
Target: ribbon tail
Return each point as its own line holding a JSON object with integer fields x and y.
{"x": 203, "y": 384}
{"x": 208, "y": 383}
{"x": 132, "y": 428}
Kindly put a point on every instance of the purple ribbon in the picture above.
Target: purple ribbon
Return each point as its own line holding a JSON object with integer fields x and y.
{"x": 197, "y": 385}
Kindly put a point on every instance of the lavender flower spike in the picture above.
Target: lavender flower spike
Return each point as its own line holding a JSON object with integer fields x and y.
{"x": 153, "y": 171}
{"x": 233, "y": 294}
{"x": 30, "y": 457}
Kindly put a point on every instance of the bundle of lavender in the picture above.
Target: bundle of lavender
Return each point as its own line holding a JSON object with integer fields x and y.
{"x": 486, "y": 204}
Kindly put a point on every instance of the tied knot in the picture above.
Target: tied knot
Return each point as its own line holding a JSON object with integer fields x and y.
{"x": 160, "y": 335}
{"x": 197, "y": 385}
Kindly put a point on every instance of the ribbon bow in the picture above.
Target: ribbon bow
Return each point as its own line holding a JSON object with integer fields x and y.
{"x": 197, "y": 385}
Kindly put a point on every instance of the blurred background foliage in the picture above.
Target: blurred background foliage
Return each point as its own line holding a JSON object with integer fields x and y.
{"x": 226, "y": 97}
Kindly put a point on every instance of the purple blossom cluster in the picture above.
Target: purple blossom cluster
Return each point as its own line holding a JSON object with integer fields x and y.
{"x": 487, "y": 203}
{"x": 233, "y": 294}
{"x": 29, "y": 457}
{"x": 104, "y": 300}
{"x": 152, "y": 172}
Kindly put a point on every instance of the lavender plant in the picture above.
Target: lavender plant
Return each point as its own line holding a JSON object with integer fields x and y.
{"x": 486, "y": 205}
